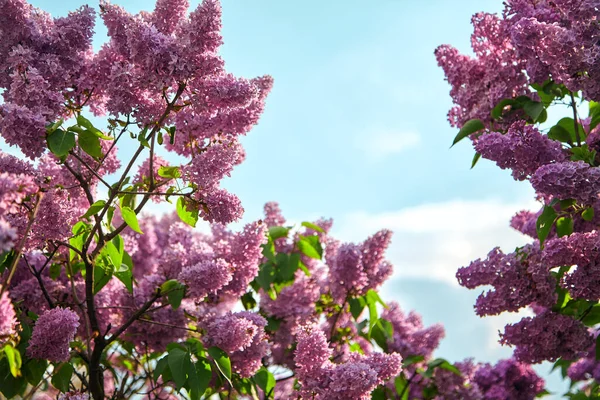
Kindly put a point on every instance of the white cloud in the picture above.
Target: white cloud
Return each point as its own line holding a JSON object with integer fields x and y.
{"x": 381, "y": 144}
{"x": 432, "y": 241}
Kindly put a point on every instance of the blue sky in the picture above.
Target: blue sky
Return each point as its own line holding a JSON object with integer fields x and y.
{"x": 355, "y": 129}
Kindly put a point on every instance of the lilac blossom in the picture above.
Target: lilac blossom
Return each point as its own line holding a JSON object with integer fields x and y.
{"x": 547, "y": 336}
{"x": 518, "y": 279}
{"x": 523, "y": 149}
{"x": 52, "y": 333}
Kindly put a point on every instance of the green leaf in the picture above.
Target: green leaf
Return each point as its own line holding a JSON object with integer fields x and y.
{"x": 476, "y": 158}
{"x": 222, "y": 361}
{"x": 84, "y": 122}
{"x": 143, "y": 141}
{"x": 378, "y": 394}
{"x": 125, "y": 275}
{"x": 588, "y": 214}
{"x": 498, "y": 110}
{"x": 443, "y": 364}
{"x": 80, "y": 233}
{"x": 170, "y": 285}
{"x": 304, "y": 268}
{"x": 412, "y": 360}
{"x": 543, "y": 393}
{"x": 169, "y": 172}
{"x": 10, "y": 386}
{"x": 266, "y": 275}
{"x": 61, "y": 142}
{"x": 286, "y": 266}
{"x": 469, "y": 127}
{"x": 94, "y": 208}
{"x": 51, "y": 128}
{"x": 564, "y": 131}
{"x": 203, "y": 375}
{"x": 171, "y": 131}
{"x": 127, "y": 199}
{"x": 594, "y": 114}
{"x": 248, "y": 301}
{"x": 103, "y": 272}
{"x": 566, "y": 204}
{"x": 372, "y": 317}
{"x": 178, "y": 360}
{"x": 310, "y": 246}
{"x": 14, "y": 360}
{"x": 130, "y": 219}
{"x": 564, "y": 226}
{"x": 266, "y": 381}
{"x": 62, "y": 376}
{"x": 593, "y": 316}
{"x": 54, "y": 271}
{"x": 381, "y": 333}
{"x": 372, "y": 298}
{"x": 174, "y": 297}
{"x": 113, "y": 254}
{"x": 90, "y": 143}
{"x": 273, "y": 324}
{"x": 6, "y": 259}
{"x": 544, "y": 223}
{"x": 559, "y": 133}
{"x": 583, "y": 153}
{"x": 160, "y": 367}
{"x": 276, "y": 232}
{"x": 33, "y": 370}
{"x": 193, "y": 381}
{"x": 534, "y": 109}
{"x": 357, "y": 305}
{"x": 312, "y": 226}
{"x": 187, "y": 211}
{"x": 401, "y": 385}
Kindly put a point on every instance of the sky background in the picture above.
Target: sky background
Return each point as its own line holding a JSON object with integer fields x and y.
{"x": 355, "y": 129}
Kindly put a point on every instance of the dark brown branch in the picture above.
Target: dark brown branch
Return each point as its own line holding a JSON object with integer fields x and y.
{"x": 92, "y": 170}
{"x": 149, "y": 321}
{"x": 135, "y": 316}
{"x": 88, "y": 195}
{"x": 117, "y": 188}
{"x": 38, "y": 277}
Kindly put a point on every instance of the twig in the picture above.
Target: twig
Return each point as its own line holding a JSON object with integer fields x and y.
{"x": 85, "y": 164}
{"x": 149, "y": 321}
{"x": 38, "y": 277}
{"x": 136, "y": 315}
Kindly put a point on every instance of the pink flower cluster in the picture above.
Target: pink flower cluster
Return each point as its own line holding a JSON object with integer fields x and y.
{"x": 479, "y": 83}
{"x": 52, "y": 333}
{"x": 354, "y": 379}
{"x": 242, "y": 336}
{"x": 547, "y": 336}
{"x": 523, "y": 149}
{"x": 356, "y": 268}
{"x": 518, "y": 280}
{"x": 45, "y": 63}
{"x": 411, "y": 338}
{"x": 8, "y": 320}
{"x": 553, "y": 46}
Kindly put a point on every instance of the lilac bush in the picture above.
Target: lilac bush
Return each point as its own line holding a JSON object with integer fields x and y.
{"x": 98, "y": 300}
{"x": 543, "y": 55}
